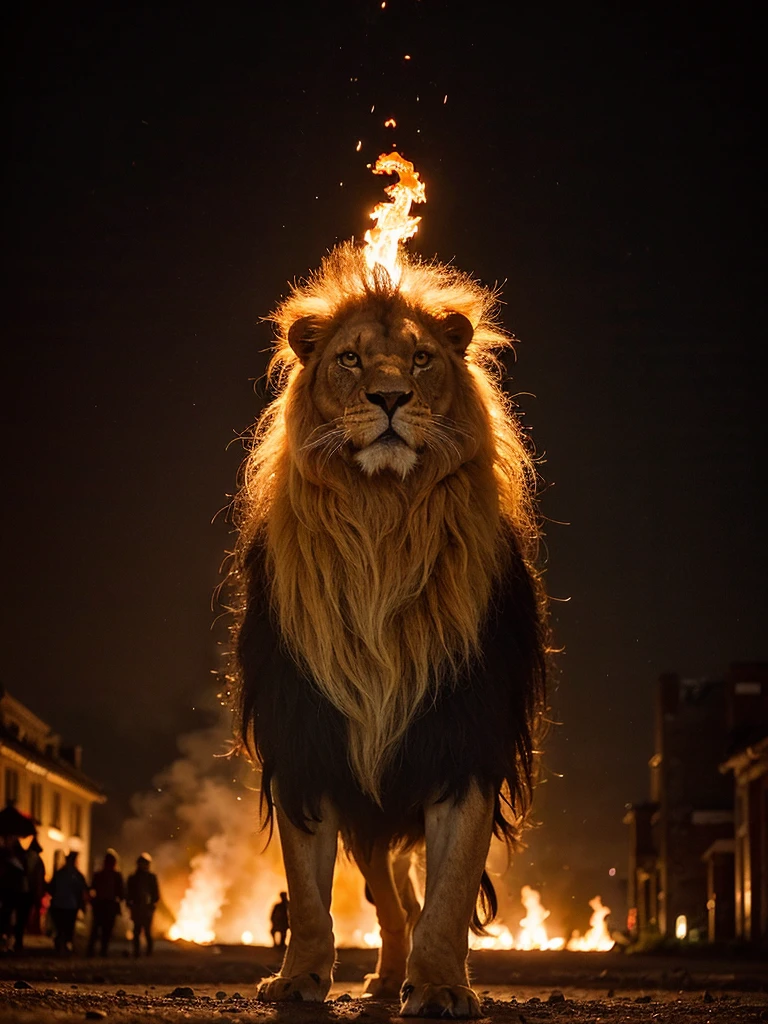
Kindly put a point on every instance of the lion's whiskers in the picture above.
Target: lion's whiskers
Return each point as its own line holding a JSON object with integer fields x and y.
{"x": 327, "y": 433}
{"x": 451, "y": 425}
{"x": 437, "y": 438}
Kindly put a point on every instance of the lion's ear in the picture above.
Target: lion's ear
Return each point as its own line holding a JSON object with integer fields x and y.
{"x": 302, "y": 337}
{"x": 457, "y": 331}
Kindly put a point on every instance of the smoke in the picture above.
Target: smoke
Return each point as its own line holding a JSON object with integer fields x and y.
{"x": 200, "y": 823}
{"x": 218, "y": 876}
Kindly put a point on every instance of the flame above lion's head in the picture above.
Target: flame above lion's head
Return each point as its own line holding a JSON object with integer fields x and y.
{"x": 387, "y": 481}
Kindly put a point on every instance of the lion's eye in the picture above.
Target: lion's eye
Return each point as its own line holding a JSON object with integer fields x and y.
{"x": 349, "y": 359}
{"x": 422, "y": 358}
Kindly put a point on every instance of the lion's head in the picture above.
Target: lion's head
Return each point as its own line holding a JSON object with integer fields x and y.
{"x": 398, "y": 379}
{"x": 385, "y": 383}
{"x": 387, "y": 483}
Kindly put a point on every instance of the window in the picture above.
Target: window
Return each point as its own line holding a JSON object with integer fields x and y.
{"x": 56, "y": 810}
{"x": 748, "y": 689}
{"x": 36, "y": 801}
{"x": 75, "y": 819}
{"x": 11, "y": 784}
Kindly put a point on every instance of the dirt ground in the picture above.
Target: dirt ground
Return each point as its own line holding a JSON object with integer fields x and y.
{"x": 187, "y": 983}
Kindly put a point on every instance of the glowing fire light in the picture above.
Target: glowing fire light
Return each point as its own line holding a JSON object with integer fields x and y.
{"x": 200, "y": 907}
{"x": 212, "y": 910}
{"x": 597, "y": 937}
{"x": 534, "y": 931}
{"x": 681, "y": 926}
{"x": 498, "y": 937}
{"x": 354, "y": 918}
{"x": 393, "y": 221}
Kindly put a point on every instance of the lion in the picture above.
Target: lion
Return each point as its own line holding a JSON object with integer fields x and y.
{"x": 391, "y": 635}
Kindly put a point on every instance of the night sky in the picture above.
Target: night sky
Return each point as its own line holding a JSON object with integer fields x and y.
{"x": 171, "y": 172}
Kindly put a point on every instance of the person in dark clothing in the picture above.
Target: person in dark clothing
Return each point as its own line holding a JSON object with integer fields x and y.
{"x": 13, "y": 892}
{"x": 69, "y": 890}
{"x": 280, "y": 922}
{"x": 107, "y": 892}
{"x": 24, "y": 897}
{"x": 36, "y": 881}
{"x": 142, "y": 896}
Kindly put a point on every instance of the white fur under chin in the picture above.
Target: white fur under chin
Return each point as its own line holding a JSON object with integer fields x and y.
{"x": 398, "y": 457}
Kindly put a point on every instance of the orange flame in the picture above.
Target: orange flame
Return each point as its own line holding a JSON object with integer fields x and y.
{"x": 597, "y": 936}
{"x": 393, "y": 221}
{"x": 533, "y": 934}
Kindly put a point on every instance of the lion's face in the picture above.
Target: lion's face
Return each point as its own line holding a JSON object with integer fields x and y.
{"x": 384, "y": 387}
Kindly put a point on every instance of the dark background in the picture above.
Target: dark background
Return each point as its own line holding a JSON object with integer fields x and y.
{"x": 172, "y": 170}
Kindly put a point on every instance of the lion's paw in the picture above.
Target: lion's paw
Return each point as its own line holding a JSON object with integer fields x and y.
{"x": 386, "y": 986}
{"x": 309, "y": 988}
{"x": 451, "y": 1001}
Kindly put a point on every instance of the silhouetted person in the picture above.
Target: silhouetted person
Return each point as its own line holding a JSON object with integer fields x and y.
{"x": 24, "y": 896}
{"x": 142, "y": 896}
{"x": 68, "y": 890}
{"x": 107, "y": 893}
{"x": 36, "y": 880}
{"x": 13, "y": 889}
{"x": 280, "y": 921}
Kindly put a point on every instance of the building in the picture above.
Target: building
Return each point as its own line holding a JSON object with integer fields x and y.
{"x": 747, "y": 759}
{"x": 677, "y": 838}
{"x": 643, "y": 874}
{"x": 44, "y": 778}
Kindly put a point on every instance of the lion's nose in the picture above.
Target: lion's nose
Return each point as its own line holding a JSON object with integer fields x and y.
{"x": 389, "y": 400}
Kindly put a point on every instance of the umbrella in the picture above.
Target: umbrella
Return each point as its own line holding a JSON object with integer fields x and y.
{"x": 16, "y": 823}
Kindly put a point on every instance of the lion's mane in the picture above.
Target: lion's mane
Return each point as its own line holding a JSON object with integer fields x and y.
{"x": 380, "y": 586}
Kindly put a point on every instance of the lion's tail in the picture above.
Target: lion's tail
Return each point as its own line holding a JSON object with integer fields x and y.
{"x": 486, "y": 906}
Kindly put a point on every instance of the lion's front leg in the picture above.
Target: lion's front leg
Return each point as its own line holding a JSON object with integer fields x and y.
{"x": 309, "y": 862}
{"x": 458, "y": 836}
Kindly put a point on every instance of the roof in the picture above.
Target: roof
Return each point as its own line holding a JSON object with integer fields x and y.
{"x": 48, "y": 765}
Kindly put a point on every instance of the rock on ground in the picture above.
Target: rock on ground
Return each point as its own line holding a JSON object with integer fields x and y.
{"x": 193, "y": 984}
